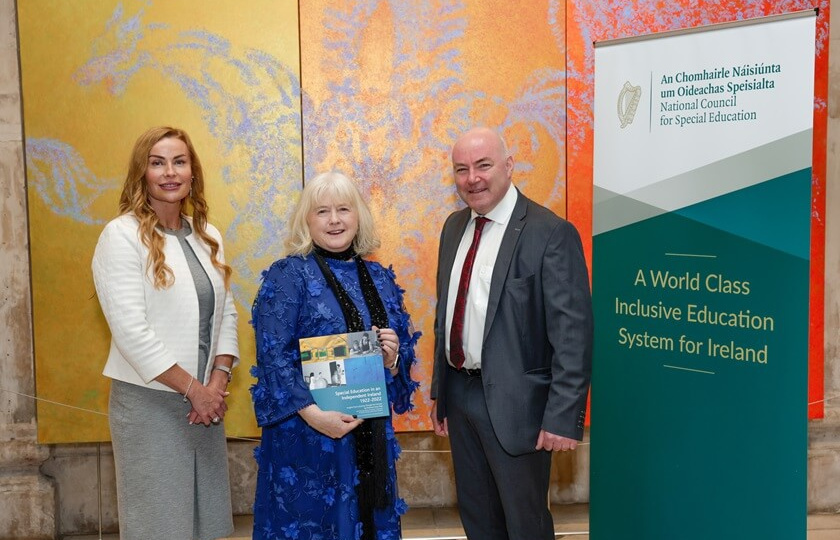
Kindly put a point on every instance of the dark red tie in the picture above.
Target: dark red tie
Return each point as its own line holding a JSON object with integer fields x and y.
{"x": 456, "y": 334}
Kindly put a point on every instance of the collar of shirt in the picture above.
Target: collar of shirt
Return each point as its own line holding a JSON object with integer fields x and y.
{"x": 501, "y": 212}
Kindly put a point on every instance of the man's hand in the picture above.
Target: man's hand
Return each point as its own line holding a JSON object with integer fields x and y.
{"x": 441, "y": 429}
{"x": 554, "y": 443}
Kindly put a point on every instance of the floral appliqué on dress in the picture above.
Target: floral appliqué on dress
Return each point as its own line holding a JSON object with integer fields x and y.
{"x": 306, "y": 480}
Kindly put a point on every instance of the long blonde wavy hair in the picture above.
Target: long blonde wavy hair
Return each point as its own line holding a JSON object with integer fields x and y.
{"x": 135, "y": 199}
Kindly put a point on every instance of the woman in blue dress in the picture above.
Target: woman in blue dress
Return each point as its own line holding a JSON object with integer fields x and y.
{"x": 323, "y": 474}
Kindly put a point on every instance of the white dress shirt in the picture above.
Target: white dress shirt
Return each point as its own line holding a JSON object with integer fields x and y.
{"x": 475, "y": 310}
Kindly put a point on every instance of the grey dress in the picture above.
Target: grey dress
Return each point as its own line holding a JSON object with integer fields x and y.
{"x": 172, "y": 478}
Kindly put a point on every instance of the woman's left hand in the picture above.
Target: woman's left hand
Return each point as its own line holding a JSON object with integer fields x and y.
{"x": 390, "y": 344}
{"x": 208, "y": 404}
{"x": 218, "y": 383}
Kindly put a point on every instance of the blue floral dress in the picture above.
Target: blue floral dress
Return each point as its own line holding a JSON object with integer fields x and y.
{"x": 306, "y": 480}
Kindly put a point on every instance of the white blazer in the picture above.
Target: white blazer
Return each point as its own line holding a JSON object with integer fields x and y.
{"x": 154, "y": 329}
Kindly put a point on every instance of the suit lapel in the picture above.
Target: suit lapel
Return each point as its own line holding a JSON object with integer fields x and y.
{"x": 449, "y": 248}
{"x": 504, "y": 258}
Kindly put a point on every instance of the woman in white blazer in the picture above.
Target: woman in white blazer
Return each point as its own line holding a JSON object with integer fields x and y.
{"x": 164, "y": 288}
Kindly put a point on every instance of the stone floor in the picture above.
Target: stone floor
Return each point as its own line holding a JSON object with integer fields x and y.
{"x": 571, "y": 522}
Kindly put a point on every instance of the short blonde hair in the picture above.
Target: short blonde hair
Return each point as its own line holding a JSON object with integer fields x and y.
{"x": 339, "y": 187}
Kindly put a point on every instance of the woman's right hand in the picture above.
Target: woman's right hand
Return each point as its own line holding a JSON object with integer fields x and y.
{"x": 331, "y": 423}
{"x": 208, "y": 403}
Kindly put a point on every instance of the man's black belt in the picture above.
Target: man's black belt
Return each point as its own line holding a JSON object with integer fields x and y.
{"x": 469, "y": 372}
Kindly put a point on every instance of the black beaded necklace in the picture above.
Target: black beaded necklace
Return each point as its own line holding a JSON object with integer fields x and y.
{"x": 378, "y": 315}
{"x": 371, "y": 454}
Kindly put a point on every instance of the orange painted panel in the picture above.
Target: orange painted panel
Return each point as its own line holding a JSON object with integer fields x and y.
{"x": 388, "y": 86}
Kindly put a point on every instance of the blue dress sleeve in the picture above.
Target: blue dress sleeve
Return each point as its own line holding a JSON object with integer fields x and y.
{"x": 401, "y": 386}
{"x": 280, "y": 390}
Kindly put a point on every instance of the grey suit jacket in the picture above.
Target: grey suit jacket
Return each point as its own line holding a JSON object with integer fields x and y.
{"x": 537, "y": 350}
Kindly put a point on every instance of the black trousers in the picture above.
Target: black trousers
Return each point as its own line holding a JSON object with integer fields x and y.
{"x": 500, "y": 496}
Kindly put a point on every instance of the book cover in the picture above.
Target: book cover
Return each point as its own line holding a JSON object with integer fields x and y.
{"x": 345, "y": 373}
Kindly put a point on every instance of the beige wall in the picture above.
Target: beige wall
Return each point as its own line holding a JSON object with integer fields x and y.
{"x": 27, "y": 503}
{"x": 47, "y": 491}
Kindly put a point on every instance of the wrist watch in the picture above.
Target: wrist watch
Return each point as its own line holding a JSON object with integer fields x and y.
{"x": 226, "y": 370}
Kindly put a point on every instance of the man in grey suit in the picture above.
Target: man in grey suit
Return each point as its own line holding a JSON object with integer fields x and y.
{"x": 510, "y": 383}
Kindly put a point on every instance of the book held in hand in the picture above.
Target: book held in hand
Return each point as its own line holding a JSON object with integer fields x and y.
{"x": 345, "y": 373}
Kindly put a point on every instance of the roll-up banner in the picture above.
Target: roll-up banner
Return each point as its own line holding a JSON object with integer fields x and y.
{"x": 702, "y": 175}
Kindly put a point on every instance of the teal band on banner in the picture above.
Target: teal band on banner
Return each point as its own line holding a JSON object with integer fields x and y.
{"x": 700, "y": 283}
